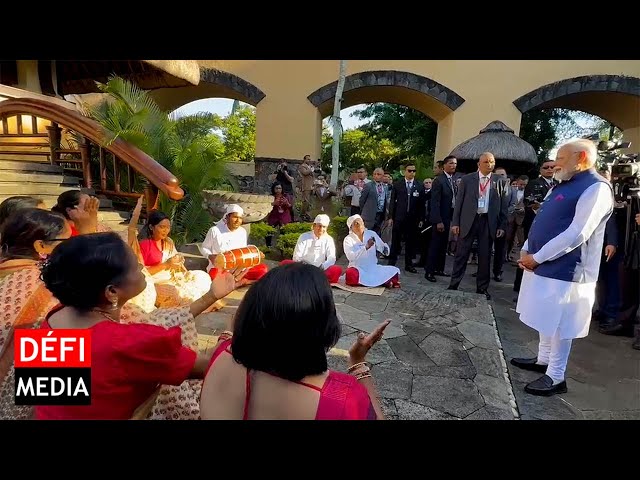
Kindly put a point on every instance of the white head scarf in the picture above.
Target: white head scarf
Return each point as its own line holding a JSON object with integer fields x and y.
{"x": 233, "y": 208}
{"x": 322, "y": 219}
{"x": 352, "y": 219}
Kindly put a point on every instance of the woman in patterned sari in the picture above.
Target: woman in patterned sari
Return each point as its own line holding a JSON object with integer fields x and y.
{"x": 175, "y": 285}
{"x": 27, "y": 236}
{"x": 129, "y": 360}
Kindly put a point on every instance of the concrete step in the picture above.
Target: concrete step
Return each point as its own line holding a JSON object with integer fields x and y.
{"x": 20, "y": 166}
{"x": 20, "y": 177}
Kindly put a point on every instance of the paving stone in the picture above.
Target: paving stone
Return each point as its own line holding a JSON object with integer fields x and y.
{"x": 214, "y": 321}
{"x": 346, "y": 330}
{"x": 467, "y": 371}
{"x": 417, "y": 330}
{"x": 456, "y": 317}
{"x": 481, "y": 314}
{"x": 491, "y": 413}
{"x": 414, "y": 411}
{"x": 515, "y": 350}
{"x": 626, "y": 415}
{"x": 337, "y": 362}
{"x": 368, "y": 303}
{"x": 389, "y": 407}
{"x": 543, "y": 408}
{"x": 480, "y": 334}
{"x": 369, "y": 326}
{"x": 454, "y": 396}
{"x": 493, "y": 390}
{"x": 445, "y": 351}
{"x": 596, "y": 414}
{"x": 392, "y": 379}
{"x": 486, "y": 361}
{"x": 351, "y": 315}
{"x": 340, "y": 296}
{"x": 407, "y": 351}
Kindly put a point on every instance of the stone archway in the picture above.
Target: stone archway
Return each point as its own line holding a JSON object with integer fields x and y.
{"x": 615, "y": 98}
{"x": 386, "y": 78}
{"x": 577, "y": 85}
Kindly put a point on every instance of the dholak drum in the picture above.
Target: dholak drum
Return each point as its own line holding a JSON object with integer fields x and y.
{"x": 245, "y": 257}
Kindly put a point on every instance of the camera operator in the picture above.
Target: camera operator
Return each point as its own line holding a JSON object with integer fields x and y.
{"x": 534, "y": 193}
{"x": 284, "y": 178}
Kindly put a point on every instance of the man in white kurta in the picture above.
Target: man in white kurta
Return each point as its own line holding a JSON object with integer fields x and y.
{"x": 318, "y": 248}
{"x": 561, "y": 259}
{"x": 360, "y": 248}
{"x": 226, "y": 235}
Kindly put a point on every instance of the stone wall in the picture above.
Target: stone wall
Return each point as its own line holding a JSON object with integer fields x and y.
{"x": 243, "y": 173}
{"x": 266, "y": 167}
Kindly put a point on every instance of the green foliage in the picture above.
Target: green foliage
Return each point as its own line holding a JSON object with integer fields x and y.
{"x": 287, "y": 243}
{"x": 259, "y": 231}
{"x": 297, "y": 227}
{"x": 357, "y": 148}
{"x": 338, "y": 229}
{"x": 186, "y": 146}
{"x": 239, "y": 132}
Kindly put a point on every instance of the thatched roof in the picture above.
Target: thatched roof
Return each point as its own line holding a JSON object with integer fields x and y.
{"x": 500, "y": 140}
{"x": 79, "y": 77}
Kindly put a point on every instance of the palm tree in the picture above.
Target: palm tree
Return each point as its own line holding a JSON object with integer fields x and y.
{"x": 185, "y": 146}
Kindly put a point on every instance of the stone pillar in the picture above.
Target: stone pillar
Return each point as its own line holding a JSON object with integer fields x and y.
{"x": 467, "y": 121}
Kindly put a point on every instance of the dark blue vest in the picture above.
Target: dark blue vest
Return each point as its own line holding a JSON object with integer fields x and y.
{"x": 554, "y": 217}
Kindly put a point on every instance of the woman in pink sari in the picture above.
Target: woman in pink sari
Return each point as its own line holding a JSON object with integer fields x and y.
{"x": 274, "y": 364}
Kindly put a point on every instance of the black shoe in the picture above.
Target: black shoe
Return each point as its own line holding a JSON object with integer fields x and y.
{"x": 410, "y": 269}
{"x": 430, "y": 277}
{"x": 618, "y": 330}
{"x": 529, "y": 364}
{"x": 485, "y": 293}
{"x": 544, "y": 387}
{"x": 441, "y": 274}
{"x": 498, "y": 278}
{"x": 452, "y": 287}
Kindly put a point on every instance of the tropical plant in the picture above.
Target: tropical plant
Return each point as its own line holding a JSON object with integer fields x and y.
{"x": 186, "y": 146}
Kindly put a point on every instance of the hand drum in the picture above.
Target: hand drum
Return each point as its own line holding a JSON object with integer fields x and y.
{"x": 245, "y": 257}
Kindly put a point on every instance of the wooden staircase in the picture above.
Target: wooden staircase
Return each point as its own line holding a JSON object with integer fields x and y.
{"x": 46, "y": 182}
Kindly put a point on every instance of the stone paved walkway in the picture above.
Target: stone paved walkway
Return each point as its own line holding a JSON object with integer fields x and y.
{"x": 439, "y": 359}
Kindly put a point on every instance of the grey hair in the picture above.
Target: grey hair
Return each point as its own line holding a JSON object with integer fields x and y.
{"x": 586, "y": 146}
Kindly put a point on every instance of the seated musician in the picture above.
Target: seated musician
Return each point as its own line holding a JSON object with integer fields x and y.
{"x": 226, "y": 235}
{"x": 317, "y": 248}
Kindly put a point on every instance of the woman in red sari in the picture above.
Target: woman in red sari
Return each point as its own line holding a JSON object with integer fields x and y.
{"x": 274, "y": 364}
{"x": 93, "y": 276}
{"x": 280, "y": 214}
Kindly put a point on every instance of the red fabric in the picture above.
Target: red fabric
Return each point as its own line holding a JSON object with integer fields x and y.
{"x": 151, "y": 254}
{"x": 333, "y": 272}
{"x": 128, "y": 363}
{"x": 352, "y": 277}
{"x": 254, "y": 273}
{"x": 74, "y": 231}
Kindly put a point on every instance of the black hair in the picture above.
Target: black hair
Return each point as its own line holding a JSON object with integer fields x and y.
{"x": 287, "y": 322}
{"x": 25, "y": 226}
{"x": 68, "y": 199}
{"x": 154, "y": 218}
{"x": 80, "y": 269}
{"x": 273, "y": 187}
{"x": 13, "y": 204}
{"x": 447, "y": 158}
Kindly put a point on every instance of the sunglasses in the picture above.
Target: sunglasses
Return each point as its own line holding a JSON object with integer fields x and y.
{"x": 411, "y": 170}
{"x": 548, "y": 167}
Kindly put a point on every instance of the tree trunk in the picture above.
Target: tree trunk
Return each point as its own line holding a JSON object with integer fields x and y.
{"x": 337, "y": 126}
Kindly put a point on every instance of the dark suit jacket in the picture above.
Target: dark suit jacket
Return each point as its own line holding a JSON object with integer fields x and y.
{"x": 398, "y": 204}
{"x": 441, "y": 198}
{"x": 369, "y": 203}
{"x": 538, "y": 187}
{"x": 467, "y": 204}
{"x": 611, "y": 232}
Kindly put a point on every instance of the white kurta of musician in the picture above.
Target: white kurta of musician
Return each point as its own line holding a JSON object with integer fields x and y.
{"x": 220, "y": 239}
{"x": 366, "y": 261}
{"x": 320, "y": 252}
{"x": 548, "y": 304}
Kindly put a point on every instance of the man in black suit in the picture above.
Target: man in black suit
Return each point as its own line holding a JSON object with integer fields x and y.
{"x": 443, "y": 190}
{"x": 406, "y": 209}
{"x": 481, "y": 212}
{"x": 534, "y": 193}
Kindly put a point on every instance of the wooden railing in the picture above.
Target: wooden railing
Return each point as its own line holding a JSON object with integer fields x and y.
{"x": 91, "y": 134}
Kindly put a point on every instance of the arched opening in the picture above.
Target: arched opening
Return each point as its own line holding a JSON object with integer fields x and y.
{"x": 597, "y": 106}
{"x": 392, "y": 108}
